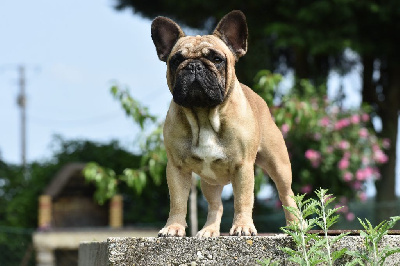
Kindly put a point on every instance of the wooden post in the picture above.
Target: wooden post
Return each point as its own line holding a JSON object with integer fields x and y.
{"x": 44, "y": 219}
{"x": 116, "y": 212}
{"x": 193, "y": 207}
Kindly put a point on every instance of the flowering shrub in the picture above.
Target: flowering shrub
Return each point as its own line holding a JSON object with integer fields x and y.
{"x": 328, "y": 147}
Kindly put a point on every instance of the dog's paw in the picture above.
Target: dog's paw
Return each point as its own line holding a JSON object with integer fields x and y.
{"x": 208, "y": 231}
{"x": 243, "y": 230}
{"x": 172, "y": 230}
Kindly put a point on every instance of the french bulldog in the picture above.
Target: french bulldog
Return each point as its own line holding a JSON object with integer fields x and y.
{"x": 216, "y": 127}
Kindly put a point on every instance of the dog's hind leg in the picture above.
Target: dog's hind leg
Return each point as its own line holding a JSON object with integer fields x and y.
{"x": 274, "y": 159}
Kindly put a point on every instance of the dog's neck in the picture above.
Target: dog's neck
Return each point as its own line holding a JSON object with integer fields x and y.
{"x": 202, "y": 118}
{"x": 209, "y": 117}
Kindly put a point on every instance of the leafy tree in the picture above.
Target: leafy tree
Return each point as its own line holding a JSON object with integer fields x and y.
{"x": 310, "y": 37}
{"x": 284, "y": 35}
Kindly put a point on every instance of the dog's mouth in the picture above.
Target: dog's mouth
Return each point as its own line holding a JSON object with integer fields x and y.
{"x": 200, "y": 88}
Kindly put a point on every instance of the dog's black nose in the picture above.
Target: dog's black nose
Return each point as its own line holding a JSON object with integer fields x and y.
{"x": 195, "y": 66}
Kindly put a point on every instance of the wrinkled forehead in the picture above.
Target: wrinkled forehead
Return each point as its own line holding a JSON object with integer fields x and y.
{"x": 197, "y": 46}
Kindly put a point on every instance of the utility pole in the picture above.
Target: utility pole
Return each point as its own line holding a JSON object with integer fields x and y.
{"x": 21, "y": 100}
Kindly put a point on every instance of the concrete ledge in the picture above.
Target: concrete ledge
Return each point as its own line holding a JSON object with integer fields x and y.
{"x": 208, "y": 251}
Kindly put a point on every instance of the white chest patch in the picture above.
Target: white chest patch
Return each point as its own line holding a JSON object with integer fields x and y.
{"x": 209, "y": 150}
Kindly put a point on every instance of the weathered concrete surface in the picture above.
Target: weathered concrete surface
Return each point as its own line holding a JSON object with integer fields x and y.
{"x": 208, "y": 251}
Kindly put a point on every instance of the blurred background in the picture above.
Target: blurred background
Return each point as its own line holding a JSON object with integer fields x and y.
{"x": 80, "y": 82}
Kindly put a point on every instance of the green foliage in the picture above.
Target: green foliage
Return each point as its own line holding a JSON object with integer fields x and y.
{"x": 132, "y": 107}
{"x": 153, "y": 161}
{"x": 105, "y": 179}
{"x": 372, "y": 255}
{"x": 312, "y": 249}
{"x": 266, "y": 83}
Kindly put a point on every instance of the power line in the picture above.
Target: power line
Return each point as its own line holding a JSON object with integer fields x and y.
{"x": 76, "y": 122}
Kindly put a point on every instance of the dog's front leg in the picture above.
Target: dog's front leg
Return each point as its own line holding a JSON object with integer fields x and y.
{"x": 212, "y": 193}
{"x": 179, "y": 184}
{"x": 243, "y": 191}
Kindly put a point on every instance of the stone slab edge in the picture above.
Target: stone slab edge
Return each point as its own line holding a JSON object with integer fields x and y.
{"x": 207, "y": 251}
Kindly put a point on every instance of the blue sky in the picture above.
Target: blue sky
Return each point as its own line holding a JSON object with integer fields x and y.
{"x": 73, "y": 51}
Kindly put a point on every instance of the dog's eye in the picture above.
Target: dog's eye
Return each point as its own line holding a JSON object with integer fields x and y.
{"x": 176, "y": 60}
{"x": 217, "y": 59}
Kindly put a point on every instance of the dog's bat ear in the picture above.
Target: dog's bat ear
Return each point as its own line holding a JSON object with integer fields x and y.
{"x": 165, "y": 33}
{"x": 232, "y": 29}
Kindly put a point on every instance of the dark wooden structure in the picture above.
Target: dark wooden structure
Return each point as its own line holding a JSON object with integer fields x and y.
{"x": 68, "y": 215}
{"x": 72, "y": 200}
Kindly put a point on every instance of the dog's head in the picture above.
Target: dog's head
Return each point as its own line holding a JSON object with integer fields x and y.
{"x": 200, "y": 69}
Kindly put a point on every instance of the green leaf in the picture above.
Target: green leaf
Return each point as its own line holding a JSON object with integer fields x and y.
{"x": 354, "y": 262}
{"x": 388, "y": 251}
{"x": 338, "y": 253}
{"x": 358, "y": 255}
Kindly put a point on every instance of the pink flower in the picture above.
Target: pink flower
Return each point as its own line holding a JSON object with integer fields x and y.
{"x": 386, "y": 143}
{"x": 306, "y": 189}
{"x": 344, "y": 145}
{"x": 375, "y": 147}
{"x": 343, "y": 200}
{"x": 347, "y": 177}
{"x": 361, "y": 174}
{"x": 365, "y": 160}
{"x": 355, "y": 119}
{"x": 343, "y": 164}
{"x": 317, "y": 136}
{"x": 342, "y": 123}
{"x": 329, "y": 149}
{"x": 278, "y": 204}
{"x": 365, "y": 117}
{"x": 364, "y": 174}
{"x": 363, "y": 133}
{"x": 324, "y": 121}
{"x": 380, "y": 156}
{"x": 376, "y": 173}
{"x": 312, "y": 154}
{"x": 362, "y": 196}
{"x": 285, "y": 129}
{"x": 357, "y": 185}
{"x": 314, "y": 157}
{"x": 343, "y": 209}
{"x": 350, "y": 216}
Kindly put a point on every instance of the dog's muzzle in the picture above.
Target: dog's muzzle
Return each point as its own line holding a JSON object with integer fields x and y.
{"x": 197, "y": 86}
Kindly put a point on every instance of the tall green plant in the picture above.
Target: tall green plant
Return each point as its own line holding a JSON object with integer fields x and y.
{"x": 327, "y": 218}
{"x": 299, "y": 231}
{"x": 312, "y": 249}
{"x": 372, "y": 255}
